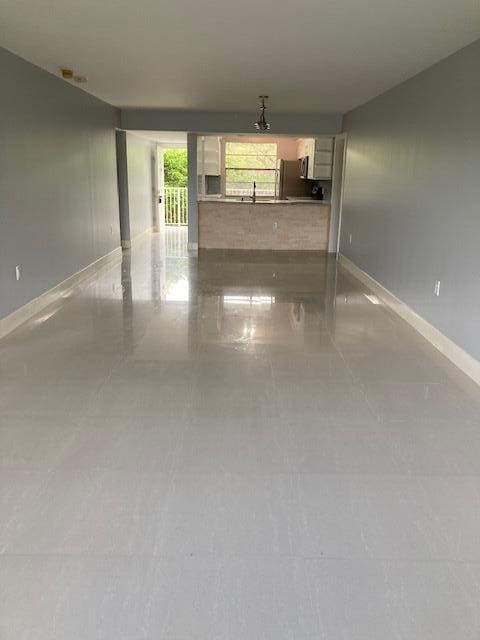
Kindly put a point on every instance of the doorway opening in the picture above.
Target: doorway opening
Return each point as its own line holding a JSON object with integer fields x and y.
{"x": 338, "y": 180}
{"x": 175, "y": 191}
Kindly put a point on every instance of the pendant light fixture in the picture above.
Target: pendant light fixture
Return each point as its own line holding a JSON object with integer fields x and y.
{"x": 262, "y": 124}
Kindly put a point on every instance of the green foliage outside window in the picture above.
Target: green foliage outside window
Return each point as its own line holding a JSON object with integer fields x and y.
{"x": 175, "y": 167}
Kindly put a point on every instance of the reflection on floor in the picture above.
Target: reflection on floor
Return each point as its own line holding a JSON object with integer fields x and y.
{"x": 235, "y": 447}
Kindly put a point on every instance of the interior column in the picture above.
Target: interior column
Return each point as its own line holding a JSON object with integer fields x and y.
{"x": 192, "y": 192}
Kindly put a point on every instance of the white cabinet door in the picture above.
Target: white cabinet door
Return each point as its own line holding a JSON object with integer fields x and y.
{"x": 322, "y": 172}
{"x": 324, "y": 144}
{"x": 212, "y": 156}
{"x": 320, "y": 153}
{"x": 322, "y": 159}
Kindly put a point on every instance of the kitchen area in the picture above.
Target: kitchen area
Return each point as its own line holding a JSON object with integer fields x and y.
{"x": 264, "y": 193}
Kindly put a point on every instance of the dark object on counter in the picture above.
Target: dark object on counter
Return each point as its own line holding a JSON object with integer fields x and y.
{"x": 318, "y": 192}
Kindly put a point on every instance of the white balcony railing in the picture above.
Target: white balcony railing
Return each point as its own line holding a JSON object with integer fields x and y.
{"x": 176, "y": 202}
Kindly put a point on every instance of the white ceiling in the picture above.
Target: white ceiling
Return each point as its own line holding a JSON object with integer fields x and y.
{"x": 308, "y": 55}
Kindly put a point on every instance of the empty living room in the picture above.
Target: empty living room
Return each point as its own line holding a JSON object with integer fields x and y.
{"x": 239, "y": 320}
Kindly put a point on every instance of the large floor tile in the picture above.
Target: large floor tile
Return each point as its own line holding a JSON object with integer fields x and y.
{"x": 407, "y": 401}
{"x": 243, "y": 442}
{"x": 99, "y": 598}
{"x": 75, "y": 512}
{"x": 374, "y": 600}
{"x": 322, "y": 400}
{"x": 140, "y": 444}
{"x": 247, "y": 514}
{"x": 411, "y": 447}
{"x": 26, "y": 397}
{"x": 386, "y": 365}
{"x": 37, "y": 443}
{"x": 388, "y": 517}
{"x": 140, "y": 396}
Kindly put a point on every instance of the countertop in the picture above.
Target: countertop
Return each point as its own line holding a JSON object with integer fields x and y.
{"x": 290, "y": 201}
{"x": 266, "y": 225}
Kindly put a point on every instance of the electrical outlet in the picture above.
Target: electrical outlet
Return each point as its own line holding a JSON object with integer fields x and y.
{"x": 18, "y": 272}
{"x": 350, "y": 239}
{"x": 436, "y": 288}
{"x": 275, "y": 226}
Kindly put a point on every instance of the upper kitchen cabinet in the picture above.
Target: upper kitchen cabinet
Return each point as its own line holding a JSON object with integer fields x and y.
{"x": 209, "y": 165}
{"x": 212, "y": 156}
{"x": 320, "y": 154}
{"x": 209, "y": 155}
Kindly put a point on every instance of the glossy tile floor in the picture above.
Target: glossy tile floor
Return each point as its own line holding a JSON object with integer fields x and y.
{"x": 242, "y": 448}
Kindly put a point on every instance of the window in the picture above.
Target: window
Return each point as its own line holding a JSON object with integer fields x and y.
{"x": 249, "y": 162}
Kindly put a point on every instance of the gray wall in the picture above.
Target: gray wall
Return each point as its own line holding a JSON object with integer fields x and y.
{"x": 221, "y": 122}
{"x": 192, "y": 188}
{"x": 140, "y": 184}
{"x": 58, "y": 183}
{"x": 412, "y": 194}
{"x": 122, "y": 179}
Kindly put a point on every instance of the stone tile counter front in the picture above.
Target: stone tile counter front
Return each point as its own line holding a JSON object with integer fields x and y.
{"x": 263, "y": 225}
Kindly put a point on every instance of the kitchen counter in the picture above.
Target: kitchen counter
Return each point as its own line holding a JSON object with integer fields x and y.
{"x": 273, "y": 201}
{"x": 295, "y": 225}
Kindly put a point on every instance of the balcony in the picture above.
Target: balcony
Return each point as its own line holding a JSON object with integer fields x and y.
{"x": 176, "y": 203}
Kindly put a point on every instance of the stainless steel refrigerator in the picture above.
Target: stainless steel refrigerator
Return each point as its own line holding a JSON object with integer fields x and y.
{"x": 290, "y": 183}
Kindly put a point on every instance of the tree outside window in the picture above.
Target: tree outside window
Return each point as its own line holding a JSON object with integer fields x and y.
{"x": 175, "y": 167}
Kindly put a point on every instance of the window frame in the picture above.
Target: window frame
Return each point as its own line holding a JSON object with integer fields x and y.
{"x": 225, "y": 169}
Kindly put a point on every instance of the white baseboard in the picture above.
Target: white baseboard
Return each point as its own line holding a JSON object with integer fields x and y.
{"x": 460, "y": 358}
{"x": 141, "y": 236}
{"x": 127, "y": 244}
{"x": 62, "y": 290}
